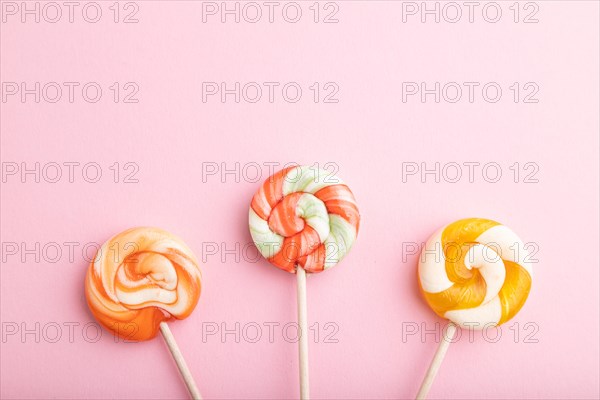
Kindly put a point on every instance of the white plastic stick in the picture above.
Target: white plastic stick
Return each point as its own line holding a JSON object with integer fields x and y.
{"x": 303, "y": 340}
{"x": 437, "y": 361}
{"x": 178, "y": 357}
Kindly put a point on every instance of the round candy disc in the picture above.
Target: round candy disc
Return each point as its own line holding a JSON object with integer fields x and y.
{"x": 475, "y": 273}
{"x": 304, "y": 217}
{"x": 138, "y": 279}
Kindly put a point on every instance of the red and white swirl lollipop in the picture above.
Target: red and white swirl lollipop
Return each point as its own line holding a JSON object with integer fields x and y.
{"x": 303, "y": 220}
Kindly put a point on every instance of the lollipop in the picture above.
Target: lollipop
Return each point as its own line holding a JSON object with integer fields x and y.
{"x": 140, "y": 279}
{"x": 303, "y": 220}
{"x": 475, "y": 273}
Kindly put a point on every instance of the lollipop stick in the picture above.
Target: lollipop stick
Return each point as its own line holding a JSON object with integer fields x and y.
{"x": 437, "y": 361}
{"x": 178, "y": 357}
{"x": 303, "y": 339}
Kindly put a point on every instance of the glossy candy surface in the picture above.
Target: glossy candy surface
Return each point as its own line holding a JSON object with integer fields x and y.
{"x": 304, "y": 217}
{"x": 138, "y": 279}
{"x": 475, "y": 272}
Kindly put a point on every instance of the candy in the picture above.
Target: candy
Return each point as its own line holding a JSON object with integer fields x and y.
{"x": 475, "y": 272}
{"x": 304, "y": 216}
{"x": 138, "y": 279}
{"x": 303, "y": 220}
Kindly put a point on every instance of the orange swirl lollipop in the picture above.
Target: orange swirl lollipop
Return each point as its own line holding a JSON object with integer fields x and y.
{"x": 140, "y": 279}
{"x": 303, "y": 220}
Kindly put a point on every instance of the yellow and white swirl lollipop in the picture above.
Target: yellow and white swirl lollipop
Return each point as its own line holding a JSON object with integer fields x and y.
{"x": 474, "y": 272}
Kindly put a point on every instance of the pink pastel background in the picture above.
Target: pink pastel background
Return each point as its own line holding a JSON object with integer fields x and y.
{"x": 372, "y": 296}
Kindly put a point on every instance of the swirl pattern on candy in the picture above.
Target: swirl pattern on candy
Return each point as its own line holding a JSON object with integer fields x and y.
{"x": 139, "y": 278}
{"x": 304, "y": 217}
{"x": 475, "y": 272}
